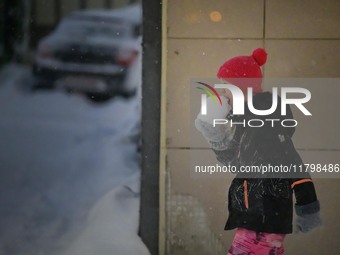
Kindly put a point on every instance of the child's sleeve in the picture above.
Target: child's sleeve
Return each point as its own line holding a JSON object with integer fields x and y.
{"x": 229, "y": 155}
{"x": 307, "y": 207}
{"x": 304, "y": 190}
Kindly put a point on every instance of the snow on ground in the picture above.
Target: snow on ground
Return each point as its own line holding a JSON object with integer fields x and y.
{"x": 114, "y": 213}
{"x": 69, "y": 172}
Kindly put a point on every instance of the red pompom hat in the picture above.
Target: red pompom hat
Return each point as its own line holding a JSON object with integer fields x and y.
{"x": 236, "y": 69}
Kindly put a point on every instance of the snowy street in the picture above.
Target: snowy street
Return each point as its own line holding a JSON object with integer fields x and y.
{"x": 69, "y": 171}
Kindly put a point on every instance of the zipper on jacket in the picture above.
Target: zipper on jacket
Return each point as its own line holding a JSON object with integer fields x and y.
{"x": 245, "y": 188}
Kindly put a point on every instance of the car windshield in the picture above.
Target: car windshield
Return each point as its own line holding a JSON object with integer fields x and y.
{"x": 85, "y": 28}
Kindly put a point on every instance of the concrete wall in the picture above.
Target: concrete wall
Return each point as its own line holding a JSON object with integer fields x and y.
{"x": 302, "y": 40}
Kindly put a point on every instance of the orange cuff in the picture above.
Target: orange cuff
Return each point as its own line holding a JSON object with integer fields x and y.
{"x": 300, "y": 181}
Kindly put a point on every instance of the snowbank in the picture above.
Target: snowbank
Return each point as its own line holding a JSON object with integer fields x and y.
{"x": 69, "y": 172}
{"x": 112, "y": 224}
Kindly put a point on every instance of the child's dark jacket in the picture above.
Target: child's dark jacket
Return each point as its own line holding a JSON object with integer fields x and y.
{"x": 265, "y": 204}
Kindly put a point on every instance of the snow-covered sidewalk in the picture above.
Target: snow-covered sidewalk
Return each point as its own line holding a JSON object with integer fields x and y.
{"x": 69, "y": 172}
{"x": 112, "y": 224}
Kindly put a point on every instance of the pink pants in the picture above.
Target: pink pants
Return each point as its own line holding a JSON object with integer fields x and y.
{"x": 248, "y": 242}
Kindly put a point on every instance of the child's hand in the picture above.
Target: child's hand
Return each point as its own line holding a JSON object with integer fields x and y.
{"x": 307, "y": 223}
{"x": 215, "y": 110}
{"x": 214, "y": 134}
{"x": 220, "y": 135}
{"x": 307, "y": 218}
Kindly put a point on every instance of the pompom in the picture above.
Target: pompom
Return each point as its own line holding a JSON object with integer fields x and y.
{"x": 260, "y": 56}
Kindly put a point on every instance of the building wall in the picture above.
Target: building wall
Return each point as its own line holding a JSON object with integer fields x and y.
{"x": 302, "y": 40}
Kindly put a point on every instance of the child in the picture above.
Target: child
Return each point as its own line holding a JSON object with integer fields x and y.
{"x": 260, "y": 208}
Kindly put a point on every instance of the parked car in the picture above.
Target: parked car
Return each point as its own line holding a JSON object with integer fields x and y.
{"x": 92, "y": 51}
